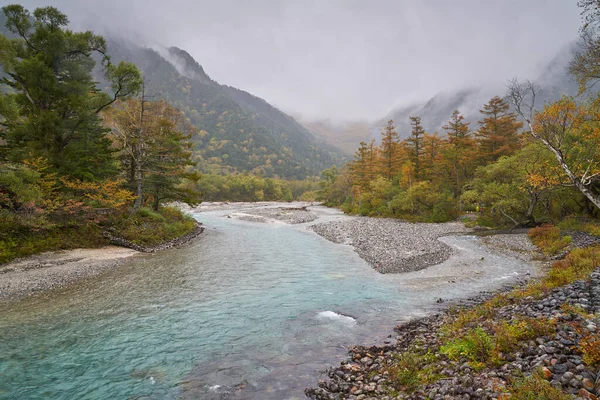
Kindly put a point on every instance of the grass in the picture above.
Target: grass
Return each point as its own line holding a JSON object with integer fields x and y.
{"x": 18, "y": 243}
{"x": 20, "y": 237}
{"x": 413, "y": 370}
{"x": 535, "y": 387}
{"x": 477, "y": 345}
{"x": 150, "y": 228}
{"x": 548, "y": 238}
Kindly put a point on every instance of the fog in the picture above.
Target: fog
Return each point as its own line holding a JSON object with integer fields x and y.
{"x": 344, "y": 59}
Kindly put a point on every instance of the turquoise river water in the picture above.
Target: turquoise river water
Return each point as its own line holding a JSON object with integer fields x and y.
{"x": 247, "y": 311}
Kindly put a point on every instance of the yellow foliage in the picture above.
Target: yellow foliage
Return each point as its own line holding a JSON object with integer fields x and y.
{"x": 108, "y": 193}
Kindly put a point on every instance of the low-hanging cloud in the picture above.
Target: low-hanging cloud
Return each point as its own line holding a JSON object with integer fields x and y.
{"x": 344, "y": 59}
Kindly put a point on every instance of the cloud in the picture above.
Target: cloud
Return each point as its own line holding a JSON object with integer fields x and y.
{"x": 344, "y": 59}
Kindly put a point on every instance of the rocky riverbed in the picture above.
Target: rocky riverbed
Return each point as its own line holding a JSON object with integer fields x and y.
{"x": 573, "y": 310}
{"x": 392, "y": 246}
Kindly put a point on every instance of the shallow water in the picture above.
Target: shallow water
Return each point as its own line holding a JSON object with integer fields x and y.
{"x": 250, "y": 311}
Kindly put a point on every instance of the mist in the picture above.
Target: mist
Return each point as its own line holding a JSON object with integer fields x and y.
{"x": 344, "y": 60}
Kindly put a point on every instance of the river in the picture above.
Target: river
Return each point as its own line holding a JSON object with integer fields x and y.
{"x": 247, "y": 311}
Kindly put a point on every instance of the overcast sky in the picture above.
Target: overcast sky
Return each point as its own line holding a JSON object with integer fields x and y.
{"x": 345, "y": 59}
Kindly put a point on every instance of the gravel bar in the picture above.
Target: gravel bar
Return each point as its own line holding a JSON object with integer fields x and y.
{"x": 390, "y": 245}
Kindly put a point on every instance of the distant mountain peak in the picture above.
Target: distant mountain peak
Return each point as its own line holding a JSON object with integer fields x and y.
{"x": 187, "y": 65}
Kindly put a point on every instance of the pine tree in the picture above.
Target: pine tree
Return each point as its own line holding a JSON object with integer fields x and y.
{"x": 48, "y": 73}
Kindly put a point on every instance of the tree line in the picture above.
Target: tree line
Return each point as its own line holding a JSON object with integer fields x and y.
{"x": 71, "y": 154}
{"x": 508, "y": 174}
{"x": 521, "y": 164}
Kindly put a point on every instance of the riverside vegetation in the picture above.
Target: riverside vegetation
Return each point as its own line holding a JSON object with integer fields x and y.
{"x": 537, "y": 341}
{"x": 519, "y": 167}
{"x": 76, "y": 162}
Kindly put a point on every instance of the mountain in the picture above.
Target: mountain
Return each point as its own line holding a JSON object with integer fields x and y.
{"x": 554, "y": 82}
{"x": 343, "y": 135}
{"x": 238, "y": 131}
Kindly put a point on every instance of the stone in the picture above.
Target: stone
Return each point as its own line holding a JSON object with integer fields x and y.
{"x": 546, "y": 373}
{"x": 586, "y": 395}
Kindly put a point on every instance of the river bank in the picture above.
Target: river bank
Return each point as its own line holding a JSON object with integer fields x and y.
{"x": 420, "y": 365}
{"x": 263, "y": 306}
{"x": 50, "y": 270}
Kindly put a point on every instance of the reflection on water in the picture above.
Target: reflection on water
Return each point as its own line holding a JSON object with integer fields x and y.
{"x": 253, "y": 310}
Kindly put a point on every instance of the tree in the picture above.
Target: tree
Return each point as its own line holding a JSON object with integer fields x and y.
{"x": 498, "y": 133}
{"x": 568, "y": 130}
{"x": 415, "y": 145}
{"x": 48, "y": 76}
{"x": 390, "y": 151}
{"x": 585, "y": 66}
{"x": 431, "y": 150}
{"x": 153, "y": 140}
{"x": 459, "y": 153}
{"x": 362, "y": 168}
{"x": 512, "y": 188}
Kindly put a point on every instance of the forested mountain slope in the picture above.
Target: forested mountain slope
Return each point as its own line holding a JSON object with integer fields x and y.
{"x": 237, "y": 131}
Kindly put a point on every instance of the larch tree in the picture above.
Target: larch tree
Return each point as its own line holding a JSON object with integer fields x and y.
{"x": 498, "y": 133}
{"x": 389, "y": 151}
{"x": 362, "y": 168}
{"x": 432, "y": 145}
{"x": 459, "y": 153}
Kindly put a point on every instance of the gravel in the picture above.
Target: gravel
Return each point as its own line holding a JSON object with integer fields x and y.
{"x": 392, "y": 246}
{"x": 289, "y": 215}
{"x": 515, "y": 245}
{"x": 50, "y": 270}
{"x": 46, "y": 271}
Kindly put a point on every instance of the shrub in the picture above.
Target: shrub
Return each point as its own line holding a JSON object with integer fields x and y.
{"x": 412, "y": 370}
{"x": 589, "y": 345}
{"x": 548, "y": 239}
{"x": 149, "y": 228}
{"x": 535, "y": 387}
{"x": 476, "y": 345}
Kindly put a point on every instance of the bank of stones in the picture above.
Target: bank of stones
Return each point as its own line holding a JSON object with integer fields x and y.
{"x": 390, "y": 245}
{"x": 366, "y": 375}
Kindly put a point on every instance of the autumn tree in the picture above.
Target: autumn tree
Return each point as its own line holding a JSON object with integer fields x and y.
{"x": 585, "y": 66}
{"x": 498, "y": 133}
{"x": 432, "y": 145}
{"x": 459, "y": 152}
{"x": 415, "y": 145}
{"x": 362, "y": 168}
{"x": 569, "y": 130}
{"x": 514, "y": 188}
{"x": 50, "y": 103}
{"x": 390, "y": 151}
{"x": 153, "y": 140}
